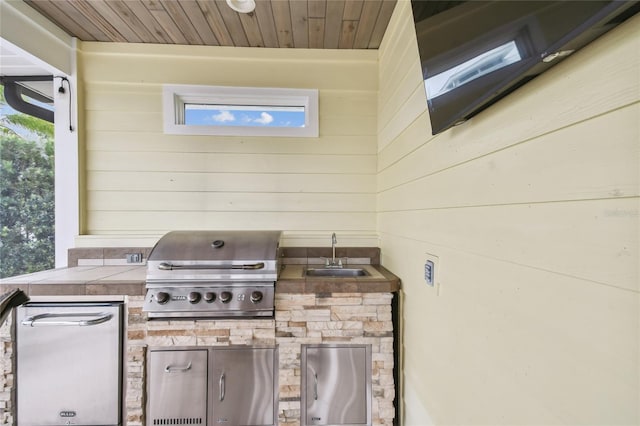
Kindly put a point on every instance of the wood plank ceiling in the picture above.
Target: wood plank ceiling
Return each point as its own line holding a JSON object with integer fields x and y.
{"x": 315, "y": 24}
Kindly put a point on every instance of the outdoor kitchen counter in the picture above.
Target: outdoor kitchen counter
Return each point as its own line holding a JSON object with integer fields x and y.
{"x": 319, "y": 310}
{"x": 130, "y": 281}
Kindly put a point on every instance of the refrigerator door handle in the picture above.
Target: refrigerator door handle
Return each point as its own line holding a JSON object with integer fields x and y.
{"x": 41, "y": 319}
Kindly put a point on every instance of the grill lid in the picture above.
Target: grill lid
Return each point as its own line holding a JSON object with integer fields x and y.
{"x": 214, "y": 256}
{"x": 217, "y": 246}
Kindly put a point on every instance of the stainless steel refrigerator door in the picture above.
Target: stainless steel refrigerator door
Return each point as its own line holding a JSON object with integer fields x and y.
{"x": 69, "y": 364}
{"x": 177, "y": 387}
{"x": 244, "y": 383}
{"x": 336, "y": 385}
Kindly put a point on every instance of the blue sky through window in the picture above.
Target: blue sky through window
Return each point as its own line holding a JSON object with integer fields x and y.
{"x": 244, "y": 115}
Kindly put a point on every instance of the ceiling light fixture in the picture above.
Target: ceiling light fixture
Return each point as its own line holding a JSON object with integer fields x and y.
{"x": 242, "y": 6}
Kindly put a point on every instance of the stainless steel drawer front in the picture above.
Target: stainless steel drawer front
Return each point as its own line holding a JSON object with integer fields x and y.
{"x": 177, "y": 387}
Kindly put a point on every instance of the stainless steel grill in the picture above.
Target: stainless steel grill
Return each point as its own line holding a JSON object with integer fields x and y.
{"x": 202, "y": 274}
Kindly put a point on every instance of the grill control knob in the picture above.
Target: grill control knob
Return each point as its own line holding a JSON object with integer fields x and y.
{"x": 209, "y": 297}
{"x": 162, "y": 297}
{"x": 225, "y": 297}
{"x": 256, "y": 296}
{"x": 194, "y": 297}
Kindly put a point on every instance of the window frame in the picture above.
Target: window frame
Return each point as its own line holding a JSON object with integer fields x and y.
{"x": 176, "y": 96}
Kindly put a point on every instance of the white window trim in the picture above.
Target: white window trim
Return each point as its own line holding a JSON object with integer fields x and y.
{"x": 175, "y": 96}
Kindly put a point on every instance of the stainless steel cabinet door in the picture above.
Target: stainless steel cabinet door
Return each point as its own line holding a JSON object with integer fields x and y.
{"x": 177, "y": 387}
{"x": 69, "y": 364}
{"x": 244, "y": 384}
{"x": 336, "y": 385}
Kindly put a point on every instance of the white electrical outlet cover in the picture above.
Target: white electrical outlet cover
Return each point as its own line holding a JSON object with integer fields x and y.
{"x": 432, "y": 262}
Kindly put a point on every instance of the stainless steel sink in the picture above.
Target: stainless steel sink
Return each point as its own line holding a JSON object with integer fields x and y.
{"x": 336, "y": 272}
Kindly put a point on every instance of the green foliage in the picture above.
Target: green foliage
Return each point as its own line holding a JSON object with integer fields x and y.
{"x": 33, "y": 124}
{"x": 10, "y": 121}
{"x": 26, "y": 197}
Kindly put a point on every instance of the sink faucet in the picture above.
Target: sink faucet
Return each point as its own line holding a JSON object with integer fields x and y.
{"x": 333, "y": 263}
{"x": 334, "y": 241}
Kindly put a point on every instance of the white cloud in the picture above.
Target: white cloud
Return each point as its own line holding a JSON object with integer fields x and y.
{"x": 224, "y": 116}
{"x": 264, "y": 118}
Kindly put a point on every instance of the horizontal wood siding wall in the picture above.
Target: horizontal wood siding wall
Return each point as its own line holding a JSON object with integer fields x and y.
{"x": 532, "y": 208}
{"x": 141, "y": 181}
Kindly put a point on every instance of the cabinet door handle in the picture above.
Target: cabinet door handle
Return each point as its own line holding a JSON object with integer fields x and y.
{"x": 171, "y": 368}
{"x": 315, "y": 384}
{"x": 221, "y": 384}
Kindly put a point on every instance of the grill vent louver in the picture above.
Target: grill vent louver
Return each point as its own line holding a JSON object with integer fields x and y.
{"x": 178, "y": 421}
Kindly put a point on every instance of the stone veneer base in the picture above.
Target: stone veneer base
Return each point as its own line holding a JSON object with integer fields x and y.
{"x": 363, "y": 318}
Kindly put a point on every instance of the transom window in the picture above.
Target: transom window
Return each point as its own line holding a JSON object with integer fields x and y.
{"x": 240, "y": 111}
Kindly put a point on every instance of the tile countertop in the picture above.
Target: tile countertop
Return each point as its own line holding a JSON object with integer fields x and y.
{"x": 130, "y": 281}
{"x": 81, "y": 280}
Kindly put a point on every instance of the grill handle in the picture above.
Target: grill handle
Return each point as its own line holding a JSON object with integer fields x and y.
{"x": 99, "y": 319}
{"x": 166, "y": 266}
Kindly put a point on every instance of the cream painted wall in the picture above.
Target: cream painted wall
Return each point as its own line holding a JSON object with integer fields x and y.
{"x": 533, "y": 210}
{"x": 142, "y": 183}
